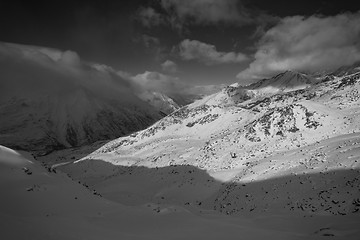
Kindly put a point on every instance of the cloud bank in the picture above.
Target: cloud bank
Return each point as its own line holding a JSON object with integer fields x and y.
{"x": 306, "y": 44}
{"x": 32, "y": 70}
{"x": 207, "y": 53}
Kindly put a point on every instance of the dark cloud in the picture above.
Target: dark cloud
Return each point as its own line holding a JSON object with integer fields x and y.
{"x": 306, "y": 44}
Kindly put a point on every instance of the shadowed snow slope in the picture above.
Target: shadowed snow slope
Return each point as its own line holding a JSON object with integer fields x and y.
{"x": 45, "y": 204}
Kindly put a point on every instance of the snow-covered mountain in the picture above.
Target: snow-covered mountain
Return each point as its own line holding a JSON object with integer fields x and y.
{"x": 260, "y": 144}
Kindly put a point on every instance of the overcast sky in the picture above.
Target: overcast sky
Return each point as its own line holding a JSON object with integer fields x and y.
{"x": 193, "y": 41}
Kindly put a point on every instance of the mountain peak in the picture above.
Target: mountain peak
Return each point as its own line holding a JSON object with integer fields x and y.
{"x": 285, "y": 82}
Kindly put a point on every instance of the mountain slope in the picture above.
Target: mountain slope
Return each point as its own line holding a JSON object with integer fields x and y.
{"x": 236, "y": 118}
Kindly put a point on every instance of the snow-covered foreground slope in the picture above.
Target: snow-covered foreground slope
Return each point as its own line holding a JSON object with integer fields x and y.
{"x": 37, "y": 203}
